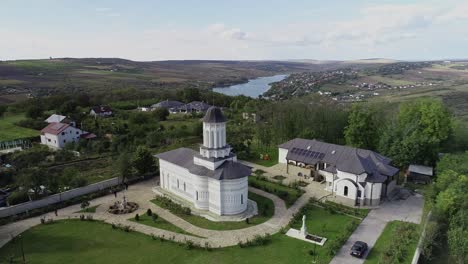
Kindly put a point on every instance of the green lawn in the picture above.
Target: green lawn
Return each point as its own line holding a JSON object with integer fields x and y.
{"x": 288, "y": 194}
{"x": 324, "y": 223}
{"x": 389, "y": 237}
{"x": 160, "y": 223}
{"x": 10, "y": 131}
{"x": 74, "y": 241}
{"x": 266, "y": 210}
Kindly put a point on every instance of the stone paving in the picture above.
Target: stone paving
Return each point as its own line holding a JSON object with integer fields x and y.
{"x": 142, "y": 193}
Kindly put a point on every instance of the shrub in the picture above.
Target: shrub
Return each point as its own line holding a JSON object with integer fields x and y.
{"x": 257, "y": 241}
{"x": 154, "y": 217}
{"x": 149, "y": 212}
{"x": 18, "y": 197}
{"x": 137, "y": 217}
{"x": 89, "y": 218}
{"x": 189, "y": 244}
{"x": 175, "y": 208}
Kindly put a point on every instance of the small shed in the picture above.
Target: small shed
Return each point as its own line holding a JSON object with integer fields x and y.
{"x": 419, "y": 174}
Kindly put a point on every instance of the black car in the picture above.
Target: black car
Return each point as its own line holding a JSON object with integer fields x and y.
{"x": 358, "y": 249}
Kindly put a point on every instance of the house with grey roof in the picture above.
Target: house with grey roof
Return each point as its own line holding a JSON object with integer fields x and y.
{"x": 354, "y": 176}
{"x": 171, "y": 106}
{"x": 211, "y": 179}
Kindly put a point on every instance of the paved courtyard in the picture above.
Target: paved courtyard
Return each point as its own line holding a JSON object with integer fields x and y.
{"x": 142, "y": 194}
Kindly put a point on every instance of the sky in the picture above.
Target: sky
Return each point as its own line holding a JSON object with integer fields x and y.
{"x": 234, "y": 30}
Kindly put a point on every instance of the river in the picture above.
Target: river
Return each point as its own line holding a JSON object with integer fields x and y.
{"x": 253, "y": 88}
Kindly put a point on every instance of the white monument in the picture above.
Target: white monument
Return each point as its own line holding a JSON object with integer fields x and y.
{"x": 304, "y": 235}
{"x": 303, "y": 231}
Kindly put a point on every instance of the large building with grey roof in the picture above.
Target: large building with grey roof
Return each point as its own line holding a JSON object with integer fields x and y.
{"x": 356, "y": 176}
{"x": 211, "y": 179}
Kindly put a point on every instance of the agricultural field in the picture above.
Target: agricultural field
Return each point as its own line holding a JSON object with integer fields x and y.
{"x": 10, "y": 131}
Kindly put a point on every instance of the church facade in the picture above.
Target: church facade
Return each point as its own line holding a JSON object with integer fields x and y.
{"x": 210, "y": 179}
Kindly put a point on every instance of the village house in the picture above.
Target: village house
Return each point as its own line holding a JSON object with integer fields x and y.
{"x": 353, "y": 176}
{"x": 57, "y": 135}
{"x": 54, "y": 118}
{"x": 171, "y": 106}
{"x": 194, "y": 107}
{"x": 101, "y": 111}
{"x": 210, "y": 179}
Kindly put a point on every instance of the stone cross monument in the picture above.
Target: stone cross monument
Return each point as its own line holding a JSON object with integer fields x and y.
{"x": 303, "y": 231}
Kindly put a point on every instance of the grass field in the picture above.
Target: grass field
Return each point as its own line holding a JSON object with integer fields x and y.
{"x": 288, "y": 194}
{"x": 266, "y": 210}
{"x": 159, "y": 223}
{"x": 10, "y": 131}
{"x": 74, "y": 241}
{"x": 388, "y": 238}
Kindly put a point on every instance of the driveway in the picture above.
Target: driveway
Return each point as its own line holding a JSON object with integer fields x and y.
{"x": 409, "y": 210}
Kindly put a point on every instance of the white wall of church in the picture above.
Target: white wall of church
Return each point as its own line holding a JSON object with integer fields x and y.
{"x": 340, "y": 189}
{"x": 226, "y": 197}
{"x": 347, "y": 175}
{"x": 282, "y": 153}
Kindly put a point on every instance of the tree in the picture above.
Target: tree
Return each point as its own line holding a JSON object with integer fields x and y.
{"x": 124, "y": 166}
{"x": 160, "y": 113}
{"x": 3, "y": 109}
{"x": 457, "y": 234}
{"x": 143, "y": 161}
{"x": 34, "y": 111}
{"x": 423, "y": 126}
{"x": 33, "y": 178}
{"x": 191, "y": 94}
{"x": 361, "y": 131}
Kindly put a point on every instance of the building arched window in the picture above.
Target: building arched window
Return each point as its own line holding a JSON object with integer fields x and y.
{"x": 345, "y": 191}
{"x": 184, "y": 186}
{"x": 242, "y": 199}
{"x": 177, "y": 183}
{"x": 196, "y": 194}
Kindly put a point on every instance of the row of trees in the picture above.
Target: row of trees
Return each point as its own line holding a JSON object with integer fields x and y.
{"x": 448, "y": 228}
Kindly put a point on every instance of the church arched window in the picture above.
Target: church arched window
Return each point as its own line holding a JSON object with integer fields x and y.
{"x": 177, "y": 183}
{"x": 345, "y": 191}
{"x": 184, "y": 186}
{"x": 242, "y": 199}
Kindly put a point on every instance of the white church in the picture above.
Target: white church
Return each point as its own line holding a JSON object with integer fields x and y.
{"x": 210, "y": 179}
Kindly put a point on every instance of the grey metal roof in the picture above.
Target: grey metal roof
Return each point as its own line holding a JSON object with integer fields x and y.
{"x": 343, "y": 158}
{"x": 183, "y": 157}
{"x": 214, "y": 115}
{"x": 167, "y": 104}
{"x": 194, "y": 106}
{"x": 420, "y": 169}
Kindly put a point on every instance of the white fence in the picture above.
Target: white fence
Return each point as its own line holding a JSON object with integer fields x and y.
{"x": 56, "y": 198}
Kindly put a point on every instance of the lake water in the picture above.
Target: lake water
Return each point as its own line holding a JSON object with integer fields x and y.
{"x": 253, "y": 88}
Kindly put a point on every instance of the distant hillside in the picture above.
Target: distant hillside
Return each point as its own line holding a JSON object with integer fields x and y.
{"x": 44, "y": 77}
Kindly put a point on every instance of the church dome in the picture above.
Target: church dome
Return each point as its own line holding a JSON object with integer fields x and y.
{"x": 214, "y": 115}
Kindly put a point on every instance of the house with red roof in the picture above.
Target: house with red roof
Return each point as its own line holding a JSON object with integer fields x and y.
{"x": 57, "y": 135}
